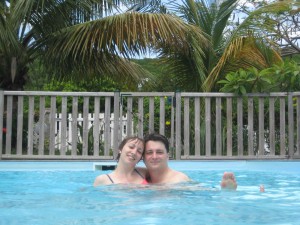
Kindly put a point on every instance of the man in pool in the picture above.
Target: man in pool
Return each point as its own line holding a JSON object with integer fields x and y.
{"x": 156, "y": 156}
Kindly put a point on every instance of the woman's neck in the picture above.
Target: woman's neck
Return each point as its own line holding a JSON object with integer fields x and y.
{"x": 124, "y": 169}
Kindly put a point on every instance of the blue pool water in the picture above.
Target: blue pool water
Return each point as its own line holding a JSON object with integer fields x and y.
{"x": 62, "y": 193}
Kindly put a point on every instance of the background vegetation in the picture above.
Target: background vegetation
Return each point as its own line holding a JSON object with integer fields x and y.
{"x": 75, "y": 45}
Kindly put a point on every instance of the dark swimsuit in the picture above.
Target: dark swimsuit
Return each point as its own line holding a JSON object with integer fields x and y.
{"x": 143, "y": 182}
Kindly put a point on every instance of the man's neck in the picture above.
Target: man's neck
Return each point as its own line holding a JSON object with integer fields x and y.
{"x": 159, "y": 176}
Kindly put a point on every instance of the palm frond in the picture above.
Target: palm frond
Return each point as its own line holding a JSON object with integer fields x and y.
{"x": 243, "y": 52}
{"x": 223, "y": 14}
{"x": 105, "y": 65}
{"x": 212, "y": 19}
{"x": 127, "y": 34}
{"x": 260, "y": 20}
{"x": 242, "y": 48}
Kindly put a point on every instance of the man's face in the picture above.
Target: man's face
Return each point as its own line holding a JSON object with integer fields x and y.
{"x": 156, "y": 156}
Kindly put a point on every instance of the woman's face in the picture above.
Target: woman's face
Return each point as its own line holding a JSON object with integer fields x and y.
{"x": 132, "y": 151}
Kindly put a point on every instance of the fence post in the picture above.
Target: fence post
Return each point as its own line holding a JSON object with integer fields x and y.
{"x": 1, "y": 120}
{"x": 240, "y": 144}
{"x": 116, "y": 123}
{"x": 178, "y": 126}
{"x": 291, "y": 125}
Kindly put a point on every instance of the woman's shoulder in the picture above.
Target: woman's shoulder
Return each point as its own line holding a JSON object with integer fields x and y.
{"x": 101, "y": 180}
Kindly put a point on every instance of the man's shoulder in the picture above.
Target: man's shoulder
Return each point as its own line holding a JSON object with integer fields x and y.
{"x": 180, "y": 176}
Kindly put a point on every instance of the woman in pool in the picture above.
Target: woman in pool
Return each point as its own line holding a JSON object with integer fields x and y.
{"x": 131, "y": 151}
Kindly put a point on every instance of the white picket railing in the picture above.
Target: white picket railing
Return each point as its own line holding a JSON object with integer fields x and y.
{"x": 79, "y": 120}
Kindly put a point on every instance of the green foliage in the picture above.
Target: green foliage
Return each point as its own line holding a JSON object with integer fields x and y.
{"x": 281, "y": 77}
{"x": 229, "y": 48}
{"x": 295, "y": 58}
{"x": 152, "y": 65}
{"x": 84, "y": 44}
{"x": 287, "y": 76}
{"x": 162, "y": 79}
{"x": 93, "y": 85}
{"x": 37, "y": 77}
{"x": 24, "y": 28}
{"x": 41, "y": 79}
{"x": 235, "y": 82}
{"x": 90, "y": 85}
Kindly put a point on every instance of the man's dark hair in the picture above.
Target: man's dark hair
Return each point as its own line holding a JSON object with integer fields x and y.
{"x": 157, "y": 137}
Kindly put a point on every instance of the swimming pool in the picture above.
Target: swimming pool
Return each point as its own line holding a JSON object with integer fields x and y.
{"x": 62, "y": 193}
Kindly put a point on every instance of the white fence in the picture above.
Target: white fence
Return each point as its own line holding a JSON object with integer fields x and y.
{"x": 79, "y": 120}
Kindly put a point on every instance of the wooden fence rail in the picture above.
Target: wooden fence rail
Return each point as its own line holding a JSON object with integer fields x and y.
{"x": 198, "y": 125}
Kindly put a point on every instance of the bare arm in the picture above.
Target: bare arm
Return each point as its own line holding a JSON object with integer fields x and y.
{"x": 101, "y": 180}
{"x": 179, "y": 177}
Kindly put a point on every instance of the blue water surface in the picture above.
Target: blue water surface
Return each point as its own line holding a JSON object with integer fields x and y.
{"x": 62, "y": 193}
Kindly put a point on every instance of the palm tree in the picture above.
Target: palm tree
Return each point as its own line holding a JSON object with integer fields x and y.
{"x": 249, "y": 45}
{"x": 104, "y": 45}
{"x": 232, "y": 47}
{"x": 72, "y": 41}
{"x": 23, "y": 24}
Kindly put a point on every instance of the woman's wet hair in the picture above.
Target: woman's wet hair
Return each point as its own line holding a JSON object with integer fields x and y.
{"x": 125, "y": 141}
{"x": 157, "y": 137}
